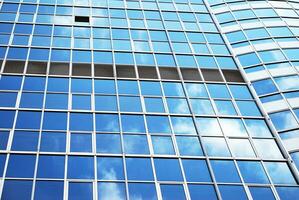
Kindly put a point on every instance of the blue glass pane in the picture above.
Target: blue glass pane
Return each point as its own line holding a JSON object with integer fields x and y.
{"x": 240, "y": 92}
{"x": 50, "y": 166}
{"x": 2, "y": 163}
{"x": 248, "y": 108}
{"x": 21, "y": 166}
{"x": 171, "y": 192}
{"x": 261, "y": 193}
{"x": 55, "y": 121}
{"x": 173, "y": 89}
{"x": 28, "y": 120}
{"x": 78, "y": 191}
{"x": 25, "y": 141}
{"x": 81, "y": 102}
{"x": 81, "y": 85}
{"x": 80, "y": 167}
{"x": 196, "y": 90}
{"x": 288, "y": 193}
{"x": 129, "y": 104}
{"x": 9, "y": 118}
{"x": 57, "y": 101}
{"x": 81, "y": 121}
{"x": 53, "y": 141}
{"x": 135, "y": 144}
{"x": 104, "y": 86}
{"x": 10, "y": 187}
{"x": 60, "y": 55}
{"x": 158, "y": 124}
{"x": 247, "y": 168}
{"x": 3, "y": 139}
{"x": 168, "y": 169}
{"x": 127, "y": 87}
{"x": 189, "y": 146}
{"x": 105, "y": 103}
{"x": 107, "y": 122}
{"x": 110, "y": 168}
{"x": 232, "y": 192}
{"x": 280, "y": 173}
{"x": 218, "y": 91}
{"x": 154, "y": 105}
{"x": 132, "y": 123}
{"x": 81, "y": 142}
{"x": 32, "y": 100}
{"x": 139, "y": 169}
{"x": 108, "y": 191}
{"x": 202, "y": 192}
{"x": 196, "y": 170}
{"x": 10, "y": 82}
{"x": 225, "y": 171}
{"x": 142, "y": 191}
{"x": 34, "y": 83}
{"x": 48, "y": 190}
{"x": 108, "y": 143}
{"x": 215, "y": 147}
{"x": 8, "y": 99}
{"x": 264, "y": 86}
{"x": 162, "y": 145}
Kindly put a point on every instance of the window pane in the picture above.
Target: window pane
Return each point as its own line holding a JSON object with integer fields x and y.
{"x": 208, "y": 126}
{"x": 81, "y": 142}
{"x": 47, "y": 190}
{"x": 25, "y": 141}
{"x": 170, "y": 192}
{"x": 79, "y": 191}
{"x": 189, "y": 146}
{"x": 82, "y": 164}
{"x": 183, "y": 125}
{"x": 53, "y": 142}
{"x": 196, "y": 170}
{"x": 3, "y": 139}
{"x": 142, "y": 191}
{"x": 158, "y": 124}
{"x": 81, "y": 121}
{"x": 110, "y": 168}
{"x": 280, "y": 173}
{"x": 10, "y": 187}
{"x": 21, "y": 166}
{"x": 108, "y": 143}
{"x": 215, "y": 147}
{"x": 135, "y": 144}
{"x": 107, "y": 122}
{"x": 232, "y": 192}
{"x": 225, "y": 171}
{"x": 168, "y": 169}
{"x": 259, "y": 175}
{"x": 133, "y": 123}
{"x": 108, "y": 191}
{"x": 202, "y": 192}
{"x": 261, "y": 193}
{"x": 105, "y": 103}
{"x": 28, "y": 120}
{"x": 50, "y": 166}
{"x": 162, "y": 145}
{"x": 139, "y": 169}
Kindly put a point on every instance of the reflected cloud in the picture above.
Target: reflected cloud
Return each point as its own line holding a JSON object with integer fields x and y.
{"x": 233, "y": 127}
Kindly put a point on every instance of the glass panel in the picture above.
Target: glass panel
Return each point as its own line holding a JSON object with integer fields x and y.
{"x": 170, "y": 192}
{"x": 108, "y": 143}
{"x": 162, "y": 145}
{"x": 139, "y": 191}
{"x": 108, "y": 191}
{"x": 225, "y": 171}
{"x": 202, "y": 192}
{"x": 83, "y": 163}
{"x": 168, "y": 169}
{"x": 136, "y": 144}
{"x": 79, "y": 191}
{"x": 196, "y": 170}
{"x": 110, "y": 168}
{"x": 139, "y": 169}
{"x": 189, "y": 146}
{"x": 232, "y": 192}
{"x": 248, "y": 167}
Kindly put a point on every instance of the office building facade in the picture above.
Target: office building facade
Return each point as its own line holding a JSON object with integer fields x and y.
{"x": 168, "y": 99}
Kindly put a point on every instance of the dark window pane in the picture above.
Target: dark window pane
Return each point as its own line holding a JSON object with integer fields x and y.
{"x": 3, "y": 139}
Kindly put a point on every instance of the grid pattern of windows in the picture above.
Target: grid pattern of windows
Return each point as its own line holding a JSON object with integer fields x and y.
{"x": 143, "y": 101}
{"x": 271, "y": 58}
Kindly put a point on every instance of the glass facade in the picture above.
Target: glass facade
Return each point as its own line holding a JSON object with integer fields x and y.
{"x": 168, "y": 99}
